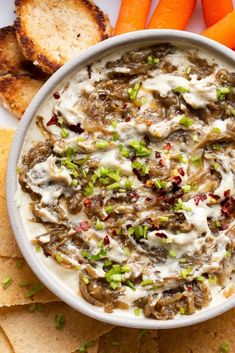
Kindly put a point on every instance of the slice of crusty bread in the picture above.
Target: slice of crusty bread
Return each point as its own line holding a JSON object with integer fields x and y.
{"x": 17, "y": 91}
{"x": 51, "y": 32}
{"x": 11, "y": 58}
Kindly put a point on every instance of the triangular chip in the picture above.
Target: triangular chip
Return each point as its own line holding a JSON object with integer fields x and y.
{"x": 216, "y": 335}
{"x": 19, "y": 285}
{"x": 149, "y": 342}
{"x": 5, "y": 346}
{"x": 36, "y": 332}
{"x": 120, "y": 340}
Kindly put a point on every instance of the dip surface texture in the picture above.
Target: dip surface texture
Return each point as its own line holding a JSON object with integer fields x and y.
{"x": 131, "y": 180}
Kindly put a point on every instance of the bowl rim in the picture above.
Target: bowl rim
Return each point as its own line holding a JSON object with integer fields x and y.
{"x": 91, "y": 54}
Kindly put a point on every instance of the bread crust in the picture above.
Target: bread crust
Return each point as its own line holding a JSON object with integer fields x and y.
{"x": 17, "y": 91}
{"x": 31, "y": 47}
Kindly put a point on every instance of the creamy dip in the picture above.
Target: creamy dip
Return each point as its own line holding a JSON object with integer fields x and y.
{"x": 127, "y": 181}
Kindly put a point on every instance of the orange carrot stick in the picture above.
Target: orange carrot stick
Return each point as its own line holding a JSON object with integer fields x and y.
{"x": 172, "y": 14}
{"x": 215, "y": 10}
{"x": 132, "y": 16}
{"x": 223, "y": 31}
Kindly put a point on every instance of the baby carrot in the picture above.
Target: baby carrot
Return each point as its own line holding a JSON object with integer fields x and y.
{"x": 215, "y": 10}
{"x": 132, "y": 16}
{"x": 223, "y": 31}
{"x": 172, "y": 14}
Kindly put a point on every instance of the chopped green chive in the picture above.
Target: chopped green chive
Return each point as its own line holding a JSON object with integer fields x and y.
{"x": 224, "y": 348}
{"x": 186, "y": 188}
{"x": 7, "y": 282}
{"x": 137, "y": 312}
{"x": 19, "y": 170}
{"x": 216, "y": 130}
{"x": 152, "y": 60}
{"x": 25, "y": 283}
{"x": 86, "y": 280}
{"x": 34, "y": 290}
{"x": 228, "y": 253}
{"x": 222, "y": 92}
{"x": 101, "y": 144}
{"x": 200, "y": 278}
{"x": 215, "y": 165}
{"x": 130, "y": 284}
{"x": 216, "y": 147}
{"x": 164, "y": 219}
{"x": 181, "y": 206}
{"x": 64, "y": 133}
{"x": 59, "y": 258}
{"x": 217, "y": 224}
{"x": 197, "y": 160}
{"x": 75, "y": 183}
{"x": 133, "y": 92}
{"x": 185, "y": 272}
{"x": 115, "y": 136}
{"x": 114, "y": 124}
{"x": 59, "y": 321}
{"x": 181, "y": 89}
{"x": 182, "y": 310}
{"x": 187, "y": 122}
{"x": 19, "y": 263}
{"x": 35, "y": 307}
{"x": 233, "y": 111}
{"x": 108, "y": 209}
{"x": 85, "y": 346}
{"x": 147, "y": 282}
{"x": 160, "y": 184}
{"x": 99, "y": 225}
{"x": 172, "y": 253}
{"x": 188, "y": 70}
{"x": 88, "y": 189}
{"x": 140, "y": 149}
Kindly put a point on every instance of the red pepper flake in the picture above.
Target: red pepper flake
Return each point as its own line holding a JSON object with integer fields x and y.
{"x": 213, "y": 196}
{"x": 168, "y": 147}
{"x": 157, "y": 154}
{"x": 189, "y": 288}
{"x": 161, "y": 163}
{"x": 133, "y": 195}
{"x": 52, "y": 121}
{"x": 177, "y": 180}
{"x": 87, "y": 202}
{"x": 128, "y": 118}
{"x": 199, "y": 198}
{"x": 228, "y": 207}
{"x": 106, "y": 240}
{"x": 148, "y": 199}
{"x": 224, "y": 226}
{"x": 161, "y": 235}
{"x": 181, "y": 171}
{"x": 56, "y": 95}
{"x": 227, "y": 193}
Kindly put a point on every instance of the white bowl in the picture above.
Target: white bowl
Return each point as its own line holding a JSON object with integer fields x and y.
{"x": 138, "y": 39}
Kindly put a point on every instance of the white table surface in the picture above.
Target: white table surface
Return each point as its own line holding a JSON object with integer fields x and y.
{"x": 111, "y": 7}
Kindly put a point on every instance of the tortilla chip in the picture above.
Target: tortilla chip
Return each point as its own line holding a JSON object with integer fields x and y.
{"x": 36, "y": 332}
{"x": 93, "y": 349}
{"x": 149, "y": 342}
{"x": 24, "y": 282}
{"x": 6, "y": 137}
{"x": 8, "y": 245}
{"x": 207, "y": 337}
{"x": 120, "y": 340}
{"x": 5, "y": 346}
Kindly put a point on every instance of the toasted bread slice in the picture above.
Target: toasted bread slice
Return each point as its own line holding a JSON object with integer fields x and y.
{"x": 51, "y": 32}
{"x": 11, "y": 58}
{"x": 17, "y": 91}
